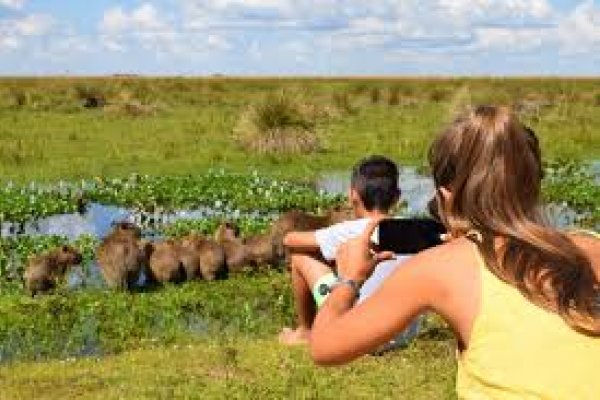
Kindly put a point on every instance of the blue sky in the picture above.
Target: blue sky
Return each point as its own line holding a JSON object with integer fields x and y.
{"x": 300, "y": 37}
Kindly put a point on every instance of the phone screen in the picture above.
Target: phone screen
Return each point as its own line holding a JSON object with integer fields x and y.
{"x": 407, "y": 236}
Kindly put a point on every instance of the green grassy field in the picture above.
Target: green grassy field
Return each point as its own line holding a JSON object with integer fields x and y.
{"x": 99, "y": 344}
{"x": 235, "y": 369}
{"x": 141, "y": 345}
{"x": 45, "y": 133}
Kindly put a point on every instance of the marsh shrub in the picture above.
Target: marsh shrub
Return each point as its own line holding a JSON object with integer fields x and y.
{"x": 394, "y": 96}
{"x": 277, "y": 124}
{"x": 375, "y": 95}
{"x": 439, "y": 95}
{"x": 18, "y": 97}
{"x": 343, "y": 103}
{"x": 90, "y": 97}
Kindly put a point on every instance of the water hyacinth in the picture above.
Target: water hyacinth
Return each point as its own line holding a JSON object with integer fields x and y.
{"x": 574, "y": 185}
{"x": 217, "y": 189}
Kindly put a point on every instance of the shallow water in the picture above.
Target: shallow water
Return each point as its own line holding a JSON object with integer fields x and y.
{"x": 98, "y": 219}
{"x": 416, "y": 189}
{"x": 595, "y": 168}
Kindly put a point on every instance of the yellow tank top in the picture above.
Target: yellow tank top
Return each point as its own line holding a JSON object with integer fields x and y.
{"x": 518, "y": 350}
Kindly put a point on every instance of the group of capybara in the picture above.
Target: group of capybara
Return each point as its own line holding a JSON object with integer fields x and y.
{"x": 123, "y": 254}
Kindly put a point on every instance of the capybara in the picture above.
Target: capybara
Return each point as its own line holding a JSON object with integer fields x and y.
{"x": 301, "y": 221}
{"x": 210, "y": 254}
{"x": 260, "y": 250}
{"x": 255, "y": 251}
{"x": 44, "y": 271}
{"x": 166, "y": 263}
{"x": 236, "y": 257}
{"x": 122, "y": 255}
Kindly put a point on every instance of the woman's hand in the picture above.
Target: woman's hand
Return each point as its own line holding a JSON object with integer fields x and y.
{"x": 354, "y": 258}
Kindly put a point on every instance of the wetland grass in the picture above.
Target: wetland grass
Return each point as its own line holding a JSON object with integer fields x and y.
{"x": 216, "y": 340}
{"x": 192, "y": 130}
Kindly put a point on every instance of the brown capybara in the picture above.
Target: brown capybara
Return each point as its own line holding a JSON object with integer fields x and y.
{"x": 211, "y": 255}
{"x": 255, "y": 251}
{"x": 301, "y": 221}
{"x": 44, "y": 271}
{"x": 122, "y": 255}
{"x": 236, "y": 257}
{"x": 260, "y": 250}
{"x": 166, "y": 263}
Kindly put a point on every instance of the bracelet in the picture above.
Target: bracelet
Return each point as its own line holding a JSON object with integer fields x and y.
{"x": 354, "y": 285}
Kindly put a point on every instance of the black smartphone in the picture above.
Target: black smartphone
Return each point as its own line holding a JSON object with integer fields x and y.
{"x": 407, "y": 236}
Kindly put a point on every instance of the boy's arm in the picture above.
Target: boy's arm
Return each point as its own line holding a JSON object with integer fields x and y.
{"x": 301, "y": 241}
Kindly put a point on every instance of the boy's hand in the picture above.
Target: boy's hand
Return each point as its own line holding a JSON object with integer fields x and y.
{"x": 354, "y": 258}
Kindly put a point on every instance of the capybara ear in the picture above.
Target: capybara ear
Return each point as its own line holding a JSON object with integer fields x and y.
{"x": 65, "y": 248}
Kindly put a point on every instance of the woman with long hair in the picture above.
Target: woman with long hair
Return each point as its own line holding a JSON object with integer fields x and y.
{"x": 522, "y": 298}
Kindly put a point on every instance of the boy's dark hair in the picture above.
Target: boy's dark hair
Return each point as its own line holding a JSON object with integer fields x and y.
{"x": 375, "y": 179}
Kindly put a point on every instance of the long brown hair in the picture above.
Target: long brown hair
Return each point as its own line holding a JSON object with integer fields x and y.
{"x": 491, "y": 164}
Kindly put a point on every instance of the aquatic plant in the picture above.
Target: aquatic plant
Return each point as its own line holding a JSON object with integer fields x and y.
{"x": 216, "y": 190}
{"x": 571, "y": 183}
{"x": 97, "y": 322}
{"x": 20, "y": 204}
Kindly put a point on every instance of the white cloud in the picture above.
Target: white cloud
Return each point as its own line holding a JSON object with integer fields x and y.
{"x": 255, "y": 51}
{"x": 143, "y": 18}
{"x": 9, "y": 43}
{"x": 325, "y": 31}
{"x": 511, "y": 40}
{"x": 14, "y": 4}
{"x": 218, "y": 42}
{"x": 33, "y": 25}
{"x": 156, "y": 32}
{"x": 15, "y": 32}
{"x": 579, "y": 32}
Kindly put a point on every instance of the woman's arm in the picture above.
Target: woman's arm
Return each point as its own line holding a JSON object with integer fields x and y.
{"x": 342, "y": 333}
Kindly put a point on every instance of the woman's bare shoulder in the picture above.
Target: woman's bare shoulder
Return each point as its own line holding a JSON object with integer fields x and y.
{"x": 446, "y": 267}
{"x": 455, "y": 252}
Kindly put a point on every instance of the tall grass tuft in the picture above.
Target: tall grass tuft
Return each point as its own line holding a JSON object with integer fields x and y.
{"x": 277, "y": 124}
{"x": 18, "y": 97}
{"x": 375, "y": 95}
{"x": 90, "y": 97}
{"x": 342, "y": 102}
{"x": 394, "y": 96}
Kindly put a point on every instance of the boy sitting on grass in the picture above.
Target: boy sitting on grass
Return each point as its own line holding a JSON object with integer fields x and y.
{"x": 373, "y": 193}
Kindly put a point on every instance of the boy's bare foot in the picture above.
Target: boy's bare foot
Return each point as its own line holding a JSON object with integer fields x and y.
{"x": 293, "y": 337}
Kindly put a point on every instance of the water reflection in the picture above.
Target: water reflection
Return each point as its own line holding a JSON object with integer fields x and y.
{"x": 416, "y": 189}
{"x": 98, "y": 219}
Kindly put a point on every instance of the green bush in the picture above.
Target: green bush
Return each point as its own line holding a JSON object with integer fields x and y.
{"x": 277, "y": 124}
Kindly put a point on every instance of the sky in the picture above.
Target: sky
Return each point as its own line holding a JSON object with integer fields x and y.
{"x": 300, "y": 37}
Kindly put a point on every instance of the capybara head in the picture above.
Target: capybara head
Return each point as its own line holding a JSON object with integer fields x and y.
{"x": 192, "y": 240}
{"x": 227, "y": 231}
{"x": 127, "y": 228}
{"x": 67, "y": 255}
{"x": 340, "y": 213}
